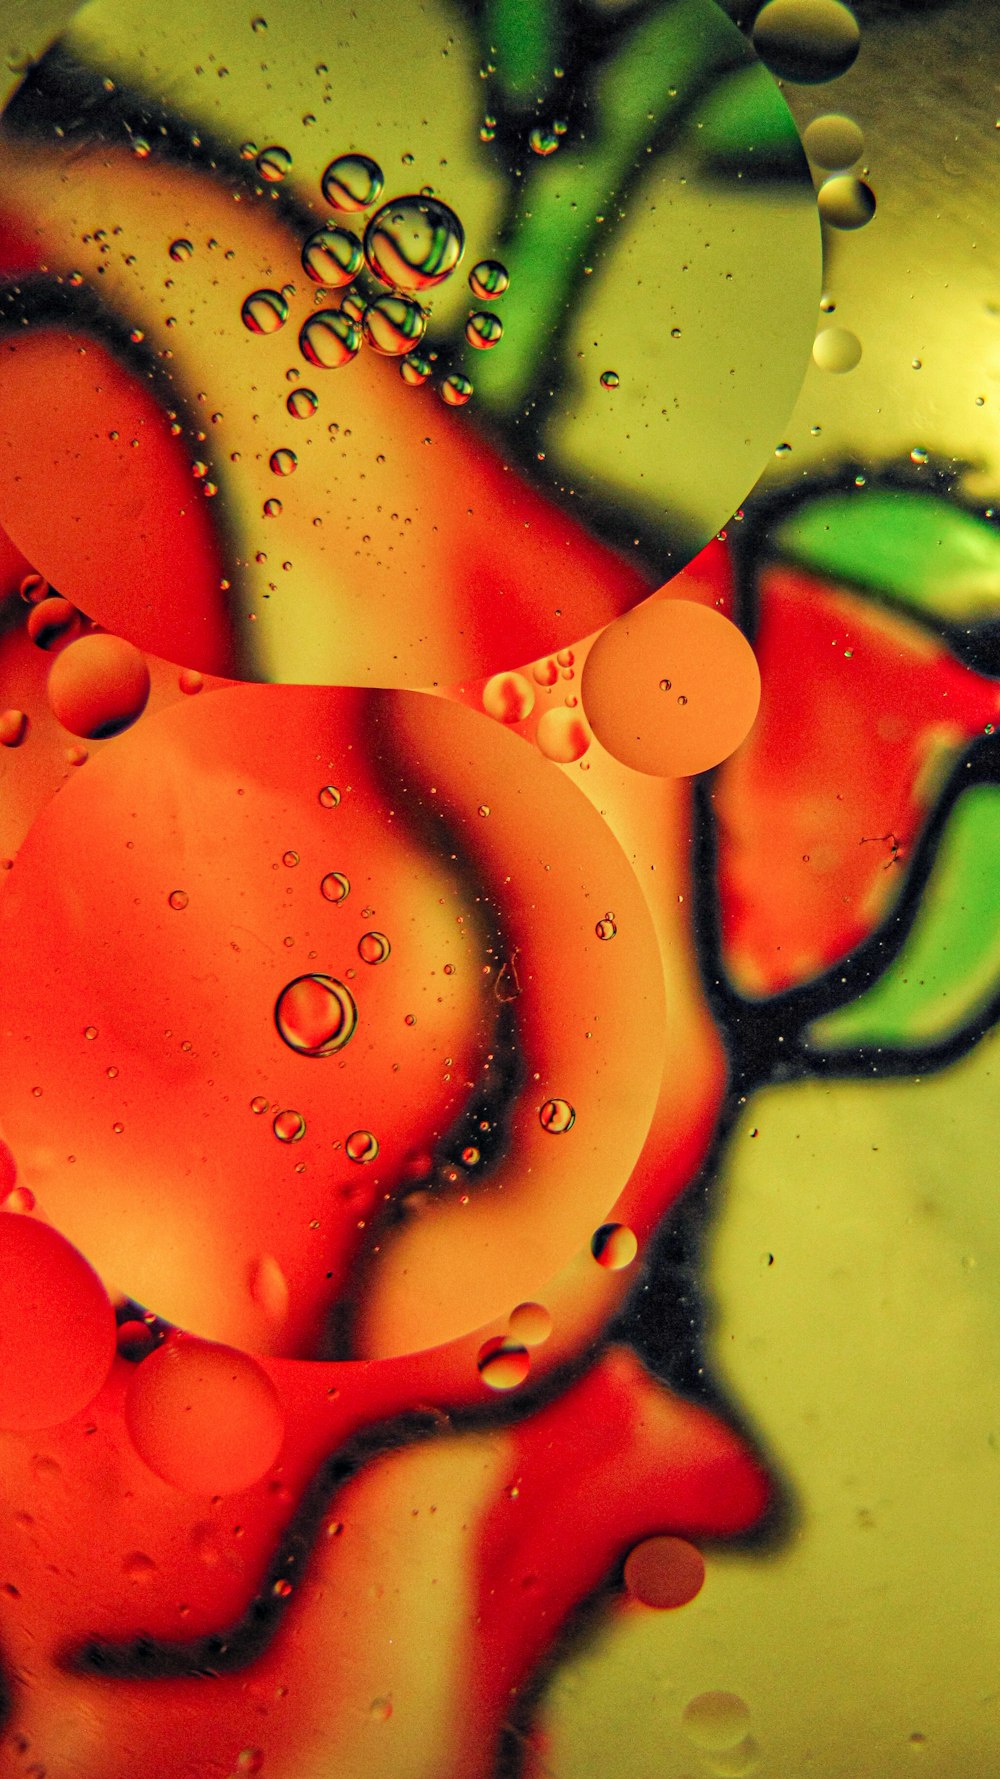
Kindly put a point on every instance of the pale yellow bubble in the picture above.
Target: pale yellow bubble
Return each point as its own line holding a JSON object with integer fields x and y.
{"x": 716, "y": 1720}
{"x": 845, "y": 202}
{"x": 807, "y": 41}
{"x": 836, "y": 349}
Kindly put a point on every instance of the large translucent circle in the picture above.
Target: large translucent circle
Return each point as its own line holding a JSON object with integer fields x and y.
{"x": 663, "y": 270}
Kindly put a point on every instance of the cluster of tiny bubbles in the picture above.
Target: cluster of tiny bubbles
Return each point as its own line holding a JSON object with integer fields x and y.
{"x": 556, "y": 1116}
{"x": 508, "y": 697}
{"x": 335, "y": 886}
{"x": 329, "y": 339}
{"x": 361, "y": 1146}
{"x": 503, "y": 1364}
{"x": 415, "y": 369}
{"x": 455, "y": 390}
{"x": 282, "y": 462}
{"x": 530, "y": 1324}
{"x": 414, "y": 242}
{"x": 845, "y": 202}
{"x": 264, "y": 311}
{"x": 316, "y": 1015}
{"x": 614, "y": 1246}
{"x": 332, "y": 256}
{"x": 373, "y": 948}
{"x": 273, "y": 163}
{"x": 488, "y": 280}
{"x": 329, "y": 796}
{"x": 609, "y": 379}
{"x": 181, "y": 249}
{"x": 393, "y": 325}
{"x": 807, "y": 41}
{"x": 302, "y": 404}
{"x": 288, "y": 1126}
{"x": 606, "y": 928}
{"x": 483, "y": 330}
{"x": 352, "y": 182}
{"x": 836, "y": 349}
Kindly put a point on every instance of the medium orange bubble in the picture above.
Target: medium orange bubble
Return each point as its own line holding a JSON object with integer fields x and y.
{"x": 57, "y": 1327}
{"x": 503, "y": 1364}
{"x": 98, "y": 686}
{"x": 664, "y": 1572}
{"x": 205, "y": 1417}
{"x": 530, "y": 1324}
{"x": 671, "y": 688}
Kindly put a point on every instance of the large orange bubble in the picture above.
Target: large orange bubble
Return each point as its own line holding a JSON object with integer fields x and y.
{"x": 204, "y": 1417}
{"x": 671, "y": 688}
{"x": 98, "y": 686}
{"x": 57, "y": 1327}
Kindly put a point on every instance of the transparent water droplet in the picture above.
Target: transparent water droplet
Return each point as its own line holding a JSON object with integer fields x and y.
{"x": 807, "y": 41}
{"x": 716, "y": 1720}
{"x": 836, "y": 349}
{"x": 414, "y": 242}
{"x": 352, "y": 182}
{"x": 415, "y": 369}
{"x": 833, "y": 141}
{"x": 373, "y": 948}
{"x": 543, "y": 139}
{"x": 606, "y": 928}
{"x": 302, "y": 404}
{"x": 456, "y": 390}
{"x": 664, "y": 1572}
{"x": 361, "y": 1146}
{"x": 329, "y": 339}
{"x": 332, "y": 256}
{"x": 52, "y": 621}
{"x": 335, "y": 886}
{"x": 393, "y": 324}
{"x": 264, "y": 311}
{"x": 483, "y": 330}
{"x": 178, "y": 899}
{"x": 610, "y": 379}
{"x": 272, "y": 509}
{"x": 282, "y": 462}
{"x": 274, "y": 163}
{"x": 556, "y": 1116}
{"x": 288, "y": 1126}
{"x": 503, "y": 1364}
{"x": 290, "y": 859}
{"x": 316, "y": 1015}
{"x": 258, "y": 1104}
{"x": 181, "y": 249}
{"x": 488, "y": 279}
{"x": 329, "y": 796}
{"x": 614, "y": 1246}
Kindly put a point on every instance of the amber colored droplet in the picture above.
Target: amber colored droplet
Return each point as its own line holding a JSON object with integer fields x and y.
{"x": 556, "y": 1116}
{"x": 503, "y": 1364}
{"x": 530, "y": 1324}
{"x": 664, "y": 1572}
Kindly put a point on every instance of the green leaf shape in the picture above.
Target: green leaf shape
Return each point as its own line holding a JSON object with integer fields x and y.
{"x": 949, "y": 967}
{"x": 910, "y": 547}
{"x": 668, "y": 57}
{"x": 739, "y": 130}
{"x": 523, "y": 36}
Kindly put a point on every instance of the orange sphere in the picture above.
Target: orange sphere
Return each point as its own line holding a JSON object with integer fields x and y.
{"x": 98, "y": 686}
{"x": 57, "y": 1327}
{"x": 205, "y": 1417}
{"x": 671, "y": 688}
